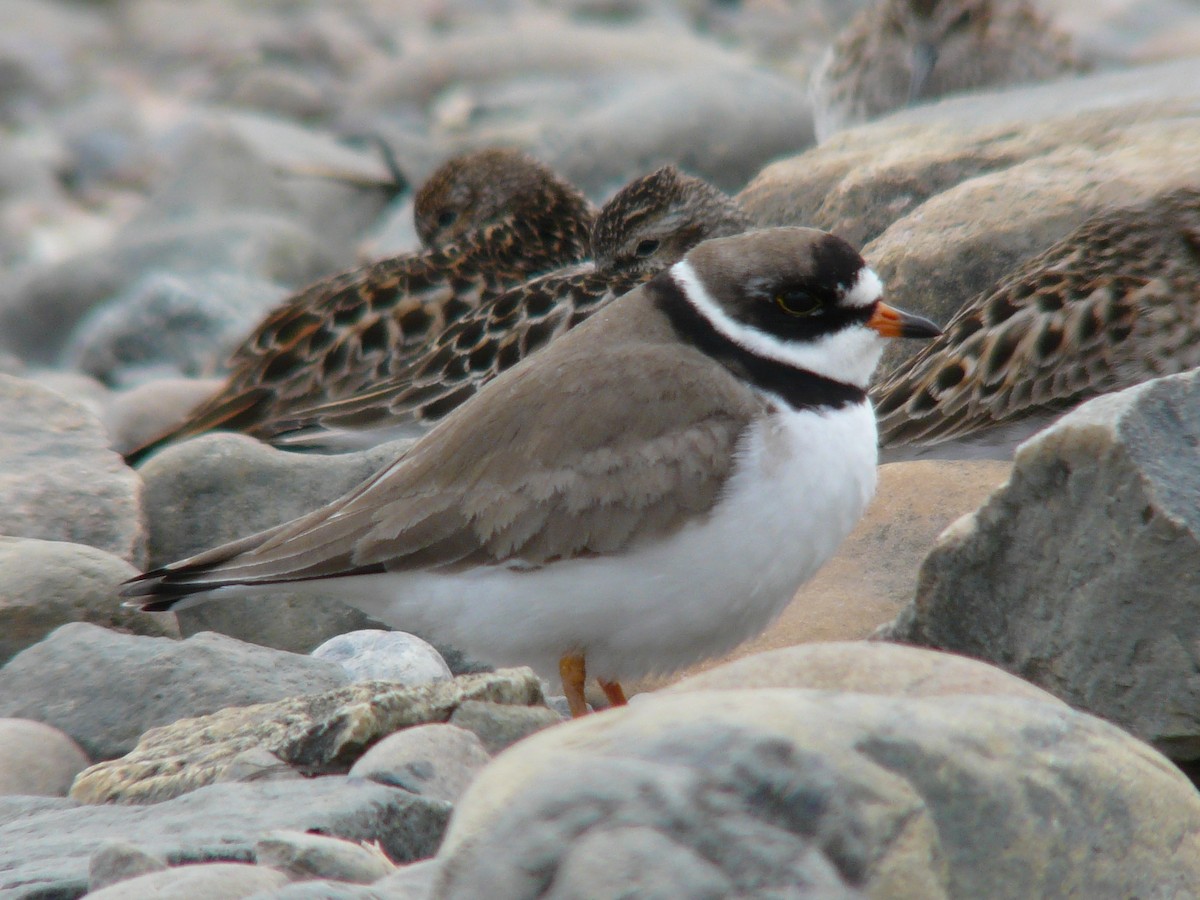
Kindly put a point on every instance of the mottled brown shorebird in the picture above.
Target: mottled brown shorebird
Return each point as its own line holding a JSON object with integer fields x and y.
{"x": 646, "y": 226}
{"x": 900, "y": 52}
{"x": 494, "y": 218}
{"x": 1114, "y": 303}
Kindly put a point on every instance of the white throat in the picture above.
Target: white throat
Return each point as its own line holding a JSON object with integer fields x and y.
{"x": 849, "y": 355}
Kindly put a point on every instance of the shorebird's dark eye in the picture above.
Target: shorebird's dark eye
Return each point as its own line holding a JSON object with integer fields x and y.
{"x": 798, "y": 303}
{"x": 446, "y": 218}
{"x": 645, "y": 248}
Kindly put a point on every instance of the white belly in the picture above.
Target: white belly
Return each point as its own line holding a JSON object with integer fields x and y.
{"x": 802, "y": 482}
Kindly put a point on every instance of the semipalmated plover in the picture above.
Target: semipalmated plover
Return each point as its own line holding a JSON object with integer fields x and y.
{"x": 646, "y": 226}
{"x": 897, "y": 53}
{"x": 509, "y": 217}
{"x": 649, "y": 490}
{"x": 1114, "y": 303}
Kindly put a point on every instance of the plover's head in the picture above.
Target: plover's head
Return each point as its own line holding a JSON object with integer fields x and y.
{"x": 797, "y": 296}
{"x": 654, "y": 220}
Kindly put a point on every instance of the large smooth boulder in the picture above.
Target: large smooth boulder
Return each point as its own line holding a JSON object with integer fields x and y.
{"x": 822, "y": 794}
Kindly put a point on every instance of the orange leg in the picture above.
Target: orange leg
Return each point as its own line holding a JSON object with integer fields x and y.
{"x": 573, "y": 673}
{"x": 614, "y": 693}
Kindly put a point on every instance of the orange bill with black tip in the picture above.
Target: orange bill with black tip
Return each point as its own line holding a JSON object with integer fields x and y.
{"x": 893, "y": 323}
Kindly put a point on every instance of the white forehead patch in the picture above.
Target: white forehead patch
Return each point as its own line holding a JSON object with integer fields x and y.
{"x": 848, "y": 355}
{"x": 867, "y": 288}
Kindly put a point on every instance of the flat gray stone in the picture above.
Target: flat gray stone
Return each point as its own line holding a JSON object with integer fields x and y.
{"x": 105, "y": 689}
{"x": 791, "y": 792}
{"x": 438, "y": 760}
{"x": 1079, "y": 574}
{"x": 45, "y": 584}
{"x": 304, "y": 857}
{"x": 45, "y": 847}
{"x": 37, "y": 759}
{"x": 59, "y": 481}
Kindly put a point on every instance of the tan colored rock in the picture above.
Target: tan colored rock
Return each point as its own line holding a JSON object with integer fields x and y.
{"x": 318, "y": 733}
{"x": 864, "y": 667}
{"x": 36, "y": 759}
{"x": 903, "y": 798}
{"x": 874, "y": 573}
{"x": 45, "y": 584}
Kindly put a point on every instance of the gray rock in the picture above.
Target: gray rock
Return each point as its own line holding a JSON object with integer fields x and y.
{"x": 253, "y": 163}
{"x": 105, "y": 689}
{"x": 412, "y": 882}
{"x": 213, "y": 881}
{"x": 948, "y": 199}
{"x": 58, "y": 479}
{"x": 500, "y": 726}
{"x": 530, "y": 48}
{"x": 136, "y": 416}
{"x": 385, "y": 656}
{"x": 785, "y": 792}
{"x": 303, "y": 857}
{"x": 165, "y": 322}
{"x": 219, "y": 487}
{"x": 118, "y": 860}
{"x": 316, "y": 733}
{"x": 41, "y": 45}
{"x": 437, "y": 761}
{"x": 45, "y": 844}
{"x": 1079, "y": 574}
{"x": 605, "y": 864}
{"x": 36, "y": 759}
{"x": 46, "y": 302}
{"x": 281, "y": 91}
{"x": 723, "y": 125}
{"x": 45, "y": 584}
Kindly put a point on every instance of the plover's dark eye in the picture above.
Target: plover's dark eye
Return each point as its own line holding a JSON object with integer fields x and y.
{"x": 645, "y": 248}
{"x": 446, "y": 218}
{"x": 798, "y": 303}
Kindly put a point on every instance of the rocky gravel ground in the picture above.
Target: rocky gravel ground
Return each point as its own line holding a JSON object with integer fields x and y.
{"x": 169, "y": 171}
